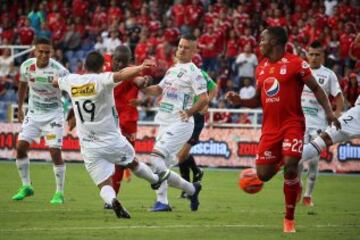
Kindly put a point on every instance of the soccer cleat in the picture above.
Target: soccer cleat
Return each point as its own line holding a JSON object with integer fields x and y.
{"x": 162, "y": 177}
{"x": 307, "y": 201}
{"x": 289, "y": 226}
{"x": 194, "y": 199}
{"x": 23, "y": 192}
{"x": 119, "y": 210}
{"x": 198, "y": 176}
{"x": 161, "y": 207}
{"x": 58, "y": 198}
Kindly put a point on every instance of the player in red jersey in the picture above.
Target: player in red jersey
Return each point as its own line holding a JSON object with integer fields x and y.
{"x": 280, "y": 80}
{"x": 128, "y": 114}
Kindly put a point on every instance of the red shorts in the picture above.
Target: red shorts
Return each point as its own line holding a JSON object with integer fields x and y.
{"x": 271, "y": 150}
{"x": 128, "y": 129}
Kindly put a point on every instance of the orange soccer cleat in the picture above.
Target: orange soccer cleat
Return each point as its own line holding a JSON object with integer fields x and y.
{"x": 289, "y": 226}
{"x": 307, "y": 201}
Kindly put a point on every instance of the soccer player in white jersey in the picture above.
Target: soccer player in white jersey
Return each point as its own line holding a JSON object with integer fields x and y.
{"x": 45, "y": 117}
{"x": 102, "y": 144}
{"x": 314, "y": 114}
{"x": 182, "y": 82}
{"x": 350, "y": 129}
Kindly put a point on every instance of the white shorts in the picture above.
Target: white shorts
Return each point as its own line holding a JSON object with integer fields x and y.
{"x": 350, "y": 126}
{"x": 100, "y": 162}
{"x": 51, "y": 128}
{"x": 171, "y": 138}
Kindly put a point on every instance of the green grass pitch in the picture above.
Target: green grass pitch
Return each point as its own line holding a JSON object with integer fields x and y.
{"x": 225, "y": 212}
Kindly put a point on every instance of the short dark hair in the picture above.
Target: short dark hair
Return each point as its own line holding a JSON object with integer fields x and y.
{"x": 42, "y": 41}
{"x": 121, "y": 51}
{"x": 316, "y": 44}
{"x": 94, "y": 62}
{"x": 279, "y": 33}
{"x": 189, "y": 37}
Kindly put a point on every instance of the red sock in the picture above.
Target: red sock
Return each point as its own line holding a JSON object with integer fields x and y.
{"x": 117, "y": 178}
{"x": 291, "y": 190}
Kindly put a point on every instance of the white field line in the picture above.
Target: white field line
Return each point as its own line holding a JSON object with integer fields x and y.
{"x": 38, "y": 229}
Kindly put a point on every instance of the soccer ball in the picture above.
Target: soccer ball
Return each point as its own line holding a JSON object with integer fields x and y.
{"x": 249, "y": 182}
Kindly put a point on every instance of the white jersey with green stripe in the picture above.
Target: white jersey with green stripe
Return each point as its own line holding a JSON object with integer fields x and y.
{"x": 181, "y": 84}
{"x": 314, "y": 114}
{"x": 44, "y": 99}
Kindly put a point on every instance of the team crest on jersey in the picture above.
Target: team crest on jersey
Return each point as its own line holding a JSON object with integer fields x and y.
{"x": 283, "y": 70}
{"x": 83, "y": 90}
{"x": 271, "y": 86}
{"x": 305, "y": 65}
{"x": 32, "y": 68}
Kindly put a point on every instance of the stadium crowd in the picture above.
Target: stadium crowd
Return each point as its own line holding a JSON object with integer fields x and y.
{"x": 227, "y": 31}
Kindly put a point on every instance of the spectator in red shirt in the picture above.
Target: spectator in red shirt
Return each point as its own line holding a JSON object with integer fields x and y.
{"x": 141, "y": 49}
{"x": 178, "y": 13}
{"x": 208, "y": 48}
{"x": 194, "y": 14}
{"x": 354, "y": 52}
{"x": 26, "y": 34}
{"x": 351, "y": 89}
{"x": 114, "y": 13}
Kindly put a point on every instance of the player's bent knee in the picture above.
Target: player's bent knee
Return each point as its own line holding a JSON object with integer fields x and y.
{"x": 157, "y": 162}
{"x": 21, "y": 149}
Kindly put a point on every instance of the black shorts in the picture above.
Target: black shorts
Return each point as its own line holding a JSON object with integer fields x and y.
{"x": 199, "y": 121}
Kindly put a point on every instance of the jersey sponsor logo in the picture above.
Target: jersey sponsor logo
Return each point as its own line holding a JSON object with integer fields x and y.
{"x": 83, "y": 90}
{"x": 271, "y": 86}
{"x": 50, "y": 137}
{"x": 286, "y": 144}
{"x": 171, "y": 93}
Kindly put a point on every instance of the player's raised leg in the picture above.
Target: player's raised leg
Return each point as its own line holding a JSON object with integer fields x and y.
{"x": 23, "y": 166}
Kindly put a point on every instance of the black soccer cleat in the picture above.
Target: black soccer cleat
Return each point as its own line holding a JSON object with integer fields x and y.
{"x": 194, "y": 199}
{"x": 119, "y": 210}
{"x": 163, "y": 176}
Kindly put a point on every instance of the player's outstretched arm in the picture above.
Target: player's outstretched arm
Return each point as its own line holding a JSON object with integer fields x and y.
{"x": 235, "y": 99}
{"x": 323, "y": 99}
{"x": 153, "y": 90}
{"x": 131, "y": 72}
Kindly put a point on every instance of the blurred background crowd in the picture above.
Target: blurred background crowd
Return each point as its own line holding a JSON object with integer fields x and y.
{"x": 227, "y": 30}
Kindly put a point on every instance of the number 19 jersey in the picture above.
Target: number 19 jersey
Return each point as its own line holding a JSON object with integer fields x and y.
{"x": 94, "y": 106}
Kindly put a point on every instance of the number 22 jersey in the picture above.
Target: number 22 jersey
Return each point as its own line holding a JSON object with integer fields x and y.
{"x": 94, "y": 107}
{"x": 281, "y": 84}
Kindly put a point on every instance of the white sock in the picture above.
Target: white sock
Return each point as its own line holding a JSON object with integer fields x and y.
{"x": 312, "y": 175}
{"x": 59, "y": 172}
{"x": 176, "y": 181}
{"x": 143, "y": 171}
{"x": 313, "y": 149}
{"x": 107, "y": 193}
{"x": 162, "y": 193}
{"x": 23, "y": 166}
